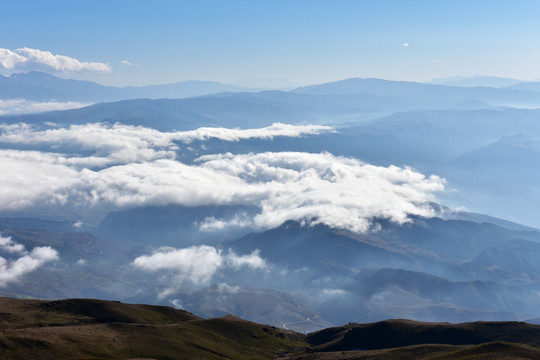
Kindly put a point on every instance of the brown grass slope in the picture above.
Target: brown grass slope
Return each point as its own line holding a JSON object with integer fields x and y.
{"x": 95, "y": 329}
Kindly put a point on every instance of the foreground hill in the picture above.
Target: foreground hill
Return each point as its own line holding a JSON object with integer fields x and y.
{"x": 397, "y": 333}
{"x": 97, "y": 329}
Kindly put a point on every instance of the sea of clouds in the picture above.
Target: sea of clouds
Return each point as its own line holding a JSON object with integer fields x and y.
{"x": 93, "y": 165}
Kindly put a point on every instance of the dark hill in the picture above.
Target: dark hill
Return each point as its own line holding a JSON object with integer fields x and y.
{"x": 498, "y": 350}
{"x": 95, "y": 329}
{"x": 101, "y": 311}
{"x": 398, "y": 333}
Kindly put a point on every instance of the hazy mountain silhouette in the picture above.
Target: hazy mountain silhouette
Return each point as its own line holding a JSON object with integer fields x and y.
{"x": 39, "y": 86}
{"x": 345, "y": 100}
{"x": 476, "y": 81}
{"x": 526, "y": 86}
{"x": 411, "y": 95}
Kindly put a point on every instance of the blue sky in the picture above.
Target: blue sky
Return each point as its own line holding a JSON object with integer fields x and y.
{"x": 304, "y": 42}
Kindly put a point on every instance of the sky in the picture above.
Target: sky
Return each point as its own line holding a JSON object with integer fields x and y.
{"x": 281, "y": 42}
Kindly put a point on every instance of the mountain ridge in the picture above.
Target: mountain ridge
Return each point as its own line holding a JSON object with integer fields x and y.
{"x": 39, "y": 86}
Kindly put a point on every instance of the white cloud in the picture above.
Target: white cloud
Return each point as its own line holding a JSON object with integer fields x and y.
{"x": 34, "y": 59}
{"x": 135, "y": 166}
{"x": 9, "y": 59}
{"x": 110, "y": 143}
{"x": 223, "y": 288}
{"x": 119, "y": 143}
{"x": 10, "y": 246}
{"x": 333, "y": 292}
{"x": 11, "y": 270}
{"x": 322, "y": 188}
{"x": 405, "y": 44}
{"x": 252, "y": 260}
{"x": 212, "y": 224}
{"x": 177, "y": 304}
{"x": 314, "y": 188}
{"x": 29, "y": 177}
{"x": 276, "y": 129}
{"x": 22, "y": 106}
{"x": 194, "y": 266}
{"x": 125, "y": 62}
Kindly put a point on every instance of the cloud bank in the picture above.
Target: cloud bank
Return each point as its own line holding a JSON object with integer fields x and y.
{"x": 13, "y": 269}
{"x": 126, "y": 143}
{"x": 125, "y": 166}
{"x": 34, "y": 59}
{"x": 195, "y": 265}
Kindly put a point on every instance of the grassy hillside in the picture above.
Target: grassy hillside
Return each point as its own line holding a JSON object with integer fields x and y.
{"x": 399, "y": 333}
{"x": 97, "y": 329}
{"x": 94, "y": 329}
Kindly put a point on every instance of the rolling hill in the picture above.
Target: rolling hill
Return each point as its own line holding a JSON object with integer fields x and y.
{"x": 97, "y": 329}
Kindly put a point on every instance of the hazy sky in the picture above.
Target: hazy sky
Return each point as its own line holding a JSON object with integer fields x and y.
{"x": 151, "y": 42}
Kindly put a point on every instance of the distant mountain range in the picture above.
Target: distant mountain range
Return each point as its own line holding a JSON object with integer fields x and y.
{"x": 38, "y": 86}
{"x": 476, "y": 81}
{"x": 347, "y": 101}
{"x": 455, "y": 266}
{"x": 367, "y": 94}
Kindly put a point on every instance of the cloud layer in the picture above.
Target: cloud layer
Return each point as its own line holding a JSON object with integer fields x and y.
{"x": 12, "y": 269}
{"x": 34, "y": 59}
{"x": 125, "y": 166}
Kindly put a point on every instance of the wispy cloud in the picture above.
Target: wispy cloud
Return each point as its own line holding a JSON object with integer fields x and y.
{"x": 125, "y": 62}
{"x": 405, "y": 44}
{"x": 276, "y": 129}
{"x": 118, "y": 143}
{"x": 10, "y": 246}
{"x": 34, "y": 59}
{"x": 13, "y": 269}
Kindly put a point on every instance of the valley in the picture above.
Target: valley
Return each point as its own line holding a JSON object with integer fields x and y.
{"x": 351, "y": 220}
